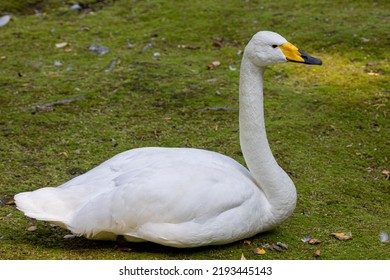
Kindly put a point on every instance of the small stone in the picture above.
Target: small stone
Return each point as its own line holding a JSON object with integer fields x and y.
{"x": 98, "y": 49}
{"x": 147, "y": 47}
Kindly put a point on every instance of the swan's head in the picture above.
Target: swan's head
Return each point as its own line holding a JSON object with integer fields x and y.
{"x": 266, "y": 48}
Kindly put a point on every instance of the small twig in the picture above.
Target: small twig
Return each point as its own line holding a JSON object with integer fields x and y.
{"x": 51, "y": 104}
{"x": 188, "y": 47}
{"x": 217, "y": 109}
{"x": 111, "y": 65}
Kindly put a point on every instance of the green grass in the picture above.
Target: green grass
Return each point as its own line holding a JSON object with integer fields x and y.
{"x": 328, "y": 126}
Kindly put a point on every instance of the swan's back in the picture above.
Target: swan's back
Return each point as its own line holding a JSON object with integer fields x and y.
{"x": 165, "y": 195}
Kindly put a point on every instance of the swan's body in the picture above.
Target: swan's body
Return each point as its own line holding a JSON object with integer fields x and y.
{"x": 183, "y": 197}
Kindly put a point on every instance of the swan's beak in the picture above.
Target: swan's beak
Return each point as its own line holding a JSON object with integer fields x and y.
{"x": 294, "y": 55}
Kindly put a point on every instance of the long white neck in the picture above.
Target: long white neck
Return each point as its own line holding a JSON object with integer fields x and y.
{"x": 270, "y": 178}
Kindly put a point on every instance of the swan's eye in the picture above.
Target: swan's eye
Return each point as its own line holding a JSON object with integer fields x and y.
{"x": 274, "y": 46}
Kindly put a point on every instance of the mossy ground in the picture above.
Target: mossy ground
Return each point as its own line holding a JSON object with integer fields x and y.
{"x": 328, "y": 126}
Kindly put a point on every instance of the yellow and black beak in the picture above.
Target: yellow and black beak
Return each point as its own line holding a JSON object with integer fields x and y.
{"x": 294, "y": 55}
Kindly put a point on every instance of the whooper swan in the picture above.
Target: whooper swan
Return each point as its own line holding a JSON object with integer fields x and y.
{"x": 183, "y": 197}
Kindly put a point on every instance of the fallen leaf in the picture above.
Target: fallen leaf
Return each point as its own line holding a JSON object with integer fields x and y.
{"x": 383, "y": 237}
{"x": 243, "y": 257}
{"x": 259, "y": 251}
{"x": 372, "y": 74}
{"x": 32, "y": 228}
{"x": 11, "y": 202}
{"x": 3, "y": 57}
{"x": 61, "y": 45}
{"x": 386, "y": 173}
{"x": 247, "y": 242}
{"x": 218, "y": 43}
{"x": 275, "y": 247}
{"x": 311, "y": 241}
{"x": 167, "y": 119}
{"x": 69, "y": 236}
{"x": 306, "y": 239}
{"x": 370, "y": 169}
{"x": 63, "y": 154}
{"x": 317, "y": 254}
{"x": 314, "y": 241}
{"x": 213, "y": 65}
{"x": 342, "y": 235}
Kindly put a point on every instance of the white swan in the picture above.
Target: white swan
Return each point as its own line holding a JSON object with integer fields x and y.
{"x": 183, "y": 197}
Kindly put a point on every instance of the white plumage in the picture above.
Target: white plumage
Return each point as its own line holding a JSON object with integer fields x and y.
{"x": 183, "y": 197}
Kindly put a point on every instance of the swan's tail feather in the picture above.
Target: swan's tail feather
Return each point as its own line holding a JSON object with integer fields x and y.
{"x": 44, "y": 204}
